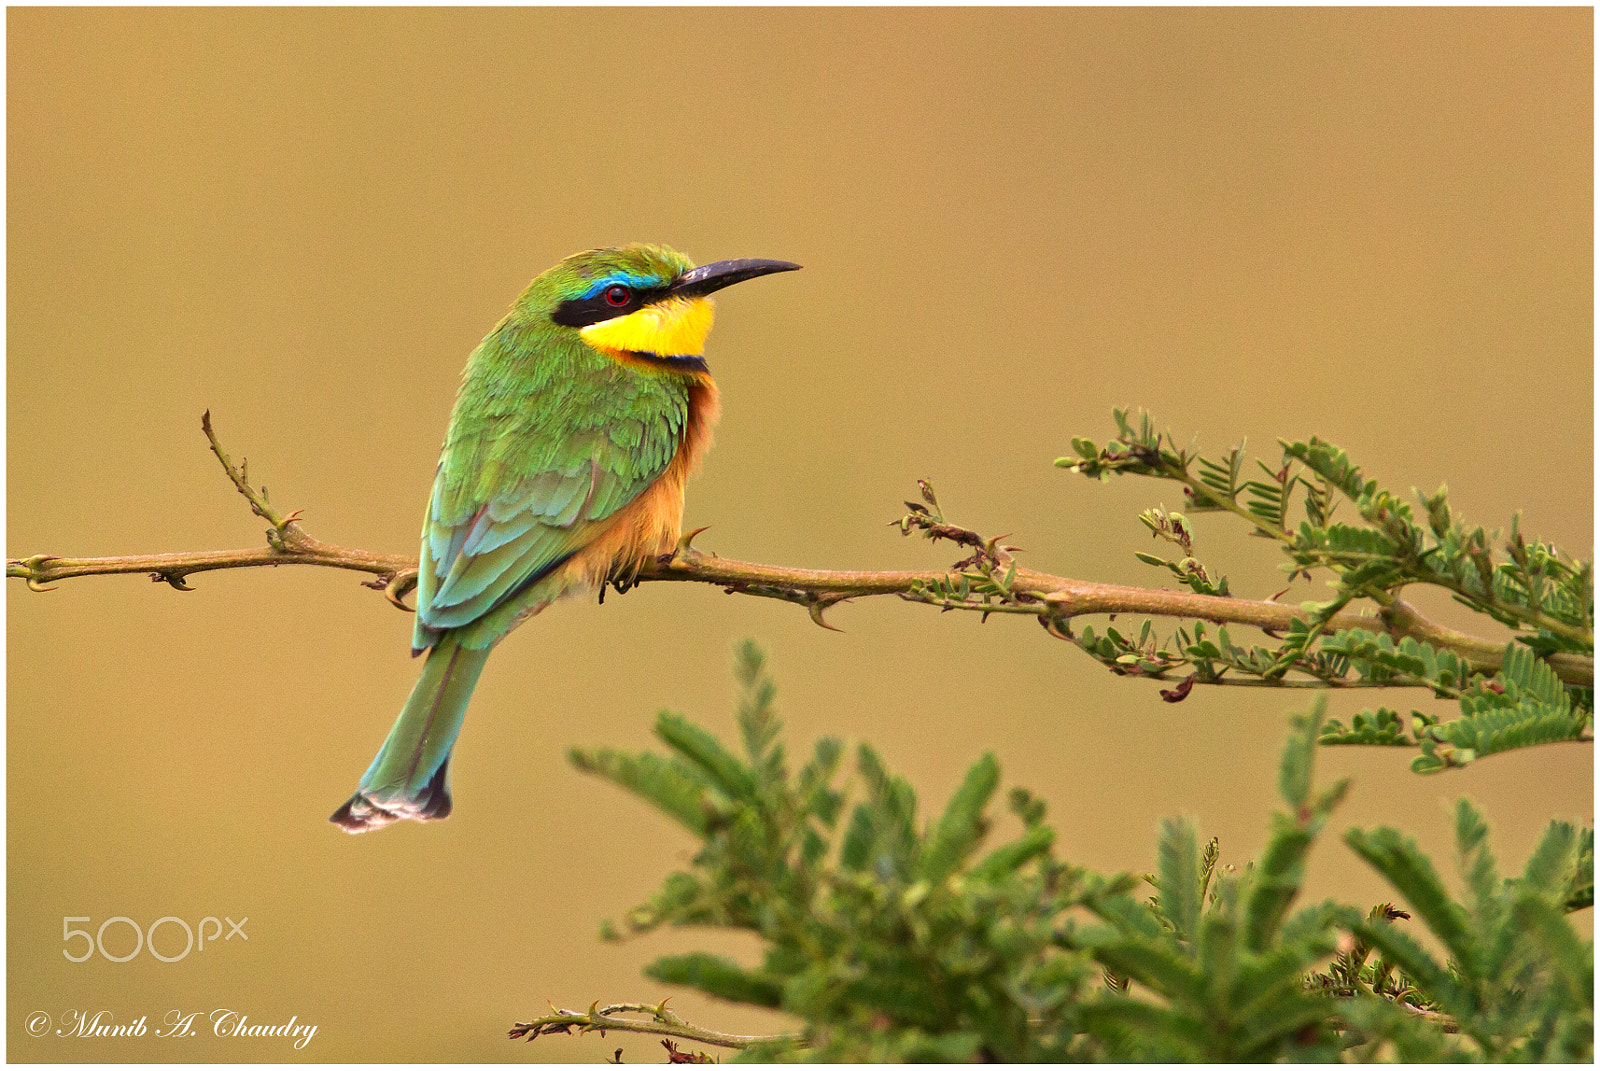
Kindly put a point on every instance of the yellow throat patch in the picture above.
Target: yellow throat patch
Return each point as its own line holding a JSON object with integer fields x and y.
{"x": 676, "y": 327}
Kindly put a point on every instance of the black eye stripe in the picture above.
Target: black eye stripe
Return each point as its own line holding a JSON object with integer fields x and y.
{"x": 581, "y": 312}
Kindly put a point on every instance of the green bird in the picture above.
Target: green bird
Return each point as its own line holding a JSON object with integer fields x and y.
{"x": 578, "y": 421}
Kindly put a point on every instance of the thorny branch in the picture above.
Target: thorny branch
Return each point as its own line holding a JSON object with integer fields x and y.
{"x": 988, "y": 581}
{"x": 662, "y": 1021}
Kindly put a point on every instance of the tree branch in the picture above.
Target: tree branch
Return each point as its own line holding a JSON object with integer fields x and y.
{"x": 987, "y": 582}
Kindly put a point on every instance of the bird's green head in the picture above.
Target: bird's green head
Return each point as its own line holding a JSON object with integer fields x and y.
{"x": 638, "y": 300}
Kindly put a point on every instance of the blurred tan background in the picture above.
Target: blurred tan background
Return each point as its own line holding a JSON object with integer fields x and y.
{"x": 1372, "y": 226}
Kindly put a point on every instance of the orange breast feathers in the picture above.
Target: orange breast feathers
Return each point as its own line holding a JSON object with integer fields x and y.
{"x": 650, "y": 525}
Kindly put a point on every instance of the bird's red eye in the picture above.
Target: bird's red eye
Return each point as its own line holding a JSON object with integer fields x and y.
{"x": 618, "y": 296}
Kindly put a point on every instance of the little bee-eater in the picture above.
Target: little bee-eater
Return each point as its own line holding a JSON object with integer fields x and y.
{"x": 579, "y": 418}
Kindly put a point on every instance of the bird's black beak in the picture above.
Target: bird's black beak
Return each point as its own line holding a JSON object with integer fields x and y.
{"x": 708, "y": 278}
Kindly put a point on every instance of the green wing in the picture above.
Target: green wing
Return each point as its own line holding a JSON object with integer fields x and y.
{"x": 526, "y": 475}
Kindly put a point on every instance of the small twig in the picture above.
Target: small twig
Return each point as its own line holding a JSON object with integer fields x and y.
{"x": 285, "y": 532}
{"x": 1438, "y": 1018}
{"x": 288, "y": 544}
{"x": 662, "y": 1021}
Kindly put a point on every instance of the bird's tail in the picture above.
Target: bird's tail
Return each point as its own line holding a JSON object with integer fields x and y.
{"x": 407, "y": 779}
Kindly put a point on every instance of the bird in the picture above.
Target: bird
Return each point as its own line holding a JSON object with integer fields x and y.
{"x": 579, "y": 418}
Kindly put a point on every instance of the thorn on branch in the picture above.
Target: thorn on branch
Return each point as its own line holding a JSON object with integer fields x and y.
{"x": 32, "y": 567}
{"x": 1060, "y": 629}
{"x": 819, "y": 605}
{"x": 685, "y": 544}
{"x": 175, "y": 578}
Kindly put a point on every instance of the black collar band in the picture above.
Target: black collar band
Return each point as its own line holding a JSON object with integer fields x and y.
{"x": 677, "y": 364}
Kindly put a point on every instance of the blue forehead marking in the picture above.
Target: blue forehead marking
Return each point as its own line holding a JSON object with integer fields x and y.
{"x": 632, "y": 280}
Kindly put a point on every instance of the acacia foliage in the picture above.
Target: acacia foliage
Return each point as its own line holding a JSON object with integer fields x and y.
{"x": 1370, "y": 543}
{"x": 892, "y": 937}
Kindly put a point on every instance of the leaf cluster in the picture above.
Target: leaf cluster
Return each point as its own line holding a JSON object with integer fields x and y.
{"x": 894, "y": 938}
{"x": 1508, "y": 699}
{"x": 1519, "y": 982}
{"x": 893, "y": 941}
{"x": 1521, "y": 705}
{"x": 1221, "y": 952}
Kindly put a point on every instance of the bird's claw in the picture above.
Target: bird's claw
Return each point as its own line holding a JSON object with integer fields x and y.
{"x": 397, "y": 587}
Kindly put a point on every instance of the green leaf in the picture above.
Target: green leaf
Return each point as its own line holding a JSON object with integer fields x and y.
{"x": 1571, "y": 958}
{"x": 1372, "y": 728}
{"x": 960, "y": 1047}
{"x": 1415, "y": 1040}
{"x": 962, "y": 823}
{"x": 1260, "y": 979}
{"x": 757, "y": 717}
{"x": 1218, "y": 946}
{"x": 1294, "y": 768}
{"x": 1171, "y": 1034}
{"x": 1427, "y": 764}
{"x": 1550, "y": 868}
{"x": 903, "y": 997}
{"x": 855, "y": 852}
{"x": 672, "y": 789}
{"x": 718, "y": 977}
{"x": 1159, "y": 968}
{"x": 1128, "y": 916}
{"x": 1472, "y": 845}
{"x": 1011, "y": 857}
{"x": 1532, "y": 675}
{"x": 896, "y": 938}
{"x": 1495, "y": 728}
{"x": 1178, "y": 853}
{"x": 1276, "y": 881}
{"x": 889, "y": 811}
{"x": 1580, "y": 891}
{"x": 705, "y": 751}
